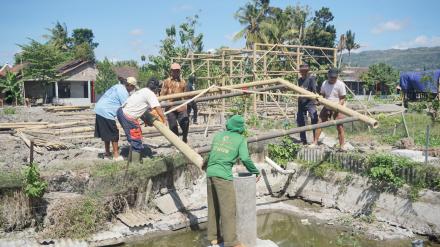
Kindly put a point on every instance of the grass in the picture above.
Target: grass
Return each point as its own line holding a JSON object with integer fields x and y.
{"x": 9, "y": 111}
{"x": 391, "y": 129}
{"x": 77, "y": 218}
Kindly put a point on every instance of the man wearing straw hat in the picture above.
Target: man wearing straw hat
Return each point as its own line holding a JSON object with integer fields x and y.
{"x": 105, "y": 109}
{"x": 306, "y": 105}
{"x": 172, "y": 85}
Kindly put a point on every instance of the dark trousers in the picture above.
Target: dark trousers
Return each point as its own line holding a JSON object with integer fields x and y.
{"x": 192, "y": 106}
{"x": 301, "y": 118}
{"x": 181, "y": 118}
{"x": 132, "y": 130}
{"x": 221, "y": 211}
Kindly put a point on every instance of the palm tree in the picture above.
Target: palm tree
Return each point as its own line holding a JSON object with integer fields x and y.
{"x": 58, "y": 36}
{"x": 350, "y": 43}
{"x": 11, "y": 87}
{"x": 251, "y": 15}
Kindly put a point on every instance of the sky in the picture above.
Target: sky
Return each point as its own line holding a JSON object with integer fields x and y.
{"x": 131, "y": 28}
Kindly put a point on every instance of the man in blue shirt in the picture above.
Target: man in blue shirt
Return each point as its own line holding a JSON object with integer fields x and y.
{"x": 105, "y": 109}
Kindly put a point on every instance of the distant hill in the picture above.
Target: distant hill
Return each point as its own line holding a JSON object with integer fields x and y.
{"x": 422, "y": 58}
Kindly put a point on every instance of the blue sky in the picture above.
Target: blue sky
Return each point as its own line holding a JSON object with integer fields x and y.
{"x": 127, "y": 29}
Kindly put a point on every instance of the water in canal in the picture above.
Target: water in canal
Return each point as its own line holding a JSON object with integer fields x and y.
{"x": 284, "y": 230}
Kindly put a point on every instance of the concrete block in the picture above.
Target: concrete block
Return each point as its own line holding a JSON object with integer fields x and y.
{"x": 171, "y": 203}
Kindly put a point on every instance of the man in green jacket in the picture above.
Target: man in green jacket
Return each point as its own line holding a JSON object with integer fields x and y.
{"x": 226, "y": 147}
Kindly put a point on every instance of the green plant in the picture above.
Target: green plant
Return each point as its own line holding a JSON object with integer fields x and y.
{"x": 9, "y": 111}
{"x": 77, "y": 218}
{"x": 11, "y": 87}
{"x": 414, "y": 191}
{"x": 284, "y": 152}
{"x": 34, "y": 186}
{"x": 321, "y": 169}
{"x": 370, "y": 218}
{"x": 384, "y": 169}
{"x": 347, "y": 240}
{"x": 253, "y": 121}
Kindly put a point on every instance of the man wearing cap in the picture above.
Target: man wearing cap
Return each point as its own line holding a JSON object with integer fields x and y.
{"x": 134, "y": 108}
{"x": 306, "y": 105}
{"x": 172, "y": 85}
{"x": 105, "y": 109}
{"x": 227, "y": 146}
{"x": 334, "y": 90}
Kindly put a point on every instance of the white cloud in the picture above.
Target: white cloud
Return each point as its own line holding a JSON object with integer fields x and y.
{"x": 137, "y": 32}
{"x": 389, "y": 26}
{"x": 419, "y": 41}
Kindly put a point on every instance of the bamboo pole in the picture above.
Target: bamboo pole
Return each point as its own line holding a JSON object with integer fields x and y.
{"x": 220, "y": 96}
{"x": 332, "y": 105}
{"x": 194, "y": 93}
{"x": 279, "y": 133}
{"x": 186, "y": 150}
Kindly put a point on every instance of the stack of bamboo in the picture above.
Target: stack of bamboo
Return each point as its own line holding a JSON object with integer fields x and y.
{"x": 65, "y": 108}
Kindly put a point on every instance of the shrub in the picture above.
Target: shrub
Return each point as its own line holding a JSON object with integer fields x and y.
{"x": 9, "y": 111}
{"x": 33, "y": 186}
{"x": 284, "y": 152}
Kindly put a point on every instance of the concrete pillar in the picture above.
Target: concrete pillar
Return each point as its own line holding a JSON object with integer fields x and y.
{"x": 89, "y": 96}
{"x": 245, "y": 193}
{"x": 56, "y": 91}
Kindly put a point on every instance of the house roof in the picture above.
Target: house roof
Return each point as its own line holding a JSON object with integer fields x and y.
{"x": 126, "y": 71}
{"x": 71, "y": 65}
{"x": 352, "y": 73}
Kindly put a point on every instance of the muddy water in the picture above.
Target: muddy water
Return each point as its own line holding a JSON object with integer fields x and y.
{"x": 286, "y": 231}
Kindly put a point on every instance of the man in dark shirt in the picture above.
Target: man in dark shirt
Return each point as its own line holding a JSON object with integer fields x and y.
{"x": 305, "y": 105}
{"x": 192, "y": 105}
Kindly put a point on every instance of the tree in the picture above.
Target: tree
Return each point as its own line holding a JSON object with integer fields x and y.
{"x": 251, "y": 16}
{"x": 382, "y": 74}
{"x": 83, "y": 35}
{"x": 143, "y": 58}
{"x": 350, "y": 43}
{"x": 321, "y": 32}
{"x": 106, "y": 76}
{"x": 42, "y": 61}
{"x": 178, "y": 42}
{"x": 83, "y": 51}
{"x": 11, "y": 87}
{"x": 59, "y": 37}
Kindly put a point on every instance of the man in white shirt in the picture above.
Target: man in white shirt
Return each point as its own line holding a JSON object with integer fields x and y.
{"x": 136, "y": 105}
{"x": 333, "y": 90}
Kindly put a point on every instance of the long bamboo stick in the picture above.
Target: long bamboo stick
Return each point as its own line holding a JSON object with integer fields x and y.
{"x": 186, "y": 150}
{"x": 279, "y": 133}
{"x": 332, "y": 105}
{"x": 194, "y": 93}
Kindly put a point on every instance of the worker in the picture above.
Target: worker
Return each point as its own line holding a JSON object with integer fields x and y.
{"x": 226, "y": 147}
{"x": 154, "y": 85}
{"x": 105, "y": 109}
{"x": 192, "y": 105}
{"x": 334, "y": 90}
{"x": 172, "y": 85}
{"x": 137, "y": 104}
{"x": 306, "y": 105}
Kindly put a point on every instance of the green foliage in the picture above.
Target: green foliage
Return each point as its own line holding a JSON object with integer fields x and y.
{"x": 267, "y": 24}
{"x": 34, "y": 186}
{"x": 384, "y": 169}
{"x": 253, "y": 121}
{"x": 321, "y": 169}
{"x": 350, "y": 43}
{"x": 9, "y": 111}
{"x": 284, "y": 152}
{"x": 380, "y": 73}
{"x": 10, "y": 85}
{"x": 106, "y": 77}
{"x": 177, "y": 43}
{"x": 84, "y": 52}
{"x": 83, "y": 35}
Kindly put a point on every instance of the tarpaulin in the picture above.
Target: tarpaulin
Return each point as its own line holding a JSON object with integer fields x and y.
{"x": 424, "y": 81}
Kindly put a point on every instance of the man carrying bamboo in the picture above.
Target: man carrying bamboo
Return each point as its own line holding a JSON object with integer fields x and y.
{"x": 306, "y": 105}
{"x": 334, "y": 90}
{"x": 172, "y": 85}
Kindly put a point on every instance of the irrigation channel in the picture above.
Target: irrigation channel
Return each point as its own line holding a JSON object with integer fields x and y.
{"x": 286, "y": 230}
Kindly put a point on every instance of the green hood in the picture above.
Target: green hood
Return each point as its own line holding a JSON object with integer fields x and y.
{"x": 235, "y": 124}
